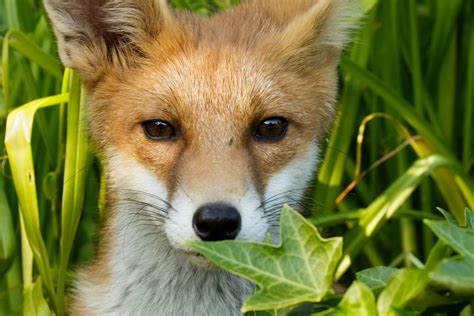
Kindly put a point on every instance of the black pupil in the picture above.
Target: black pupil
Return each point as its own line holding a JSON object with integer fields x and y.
{"x": 272, "y": 128}
{"x": 159, "y": 130}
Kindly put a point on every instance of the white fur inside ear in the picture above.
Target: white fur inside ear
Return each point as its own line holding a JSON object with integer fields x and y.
{"x": 317, "y": 33}
{"x": 343, "y": 18}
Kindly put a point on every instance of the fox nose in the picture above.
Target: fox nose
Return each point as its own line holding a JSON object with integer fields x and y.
{"x": 216, "y": 221}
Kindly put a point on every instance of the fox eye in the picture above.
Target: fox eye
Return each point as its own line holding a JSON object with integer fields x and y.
{"x": 159, "y": 130}
{"x": 271, "y": 129}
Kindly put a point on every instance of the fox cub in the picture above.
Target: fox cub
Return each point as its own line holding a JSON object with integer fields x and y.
{"x": 206, "y": 127}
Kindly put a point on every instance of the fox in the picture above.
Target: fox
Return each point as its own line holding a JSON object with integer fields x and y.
{"x": 206, "y": 127}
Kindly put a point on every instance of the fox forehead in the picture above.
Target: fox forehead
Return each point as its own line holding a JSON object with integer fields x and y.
{"x": 208, "y": 88}
{"x": 213, "y": 94}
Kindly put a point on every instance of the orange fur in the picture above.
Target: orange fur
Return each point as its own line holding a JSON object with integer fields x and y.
{"x": 214, "y": 78}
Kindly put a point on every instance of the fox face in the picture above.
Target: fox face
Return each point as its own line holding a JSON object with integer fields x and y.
{"x": 207, "y": 126}
{"x": 222, "y": 145}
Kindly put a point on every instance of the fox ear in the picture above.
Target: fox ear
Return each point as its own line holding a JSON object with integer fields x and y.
{"x": 315, "y": 33}
{"x": 94, "y": 34}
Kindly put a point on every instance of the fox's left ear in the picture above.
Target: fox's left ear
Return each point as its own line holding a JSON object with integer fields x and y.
{"x": 315, "y": 33}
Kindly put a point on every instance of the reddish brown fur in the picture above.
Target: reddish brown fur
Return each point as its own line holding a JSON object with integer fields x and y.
{"x": 264, "y": 58}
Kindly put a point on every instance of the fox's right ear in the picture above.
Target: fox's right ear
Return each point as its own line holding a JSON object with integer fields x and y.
{"x": 312, "y": 32}
{"x": 94, "y": 35}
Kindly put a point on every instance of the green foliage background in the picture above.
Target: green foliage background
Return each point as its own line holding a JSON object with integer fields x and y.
{"x": 413, "y": 61}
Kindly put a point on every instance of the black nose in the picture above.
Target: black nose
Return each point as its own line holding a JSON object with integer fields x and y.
{"x": 216, "y": 221}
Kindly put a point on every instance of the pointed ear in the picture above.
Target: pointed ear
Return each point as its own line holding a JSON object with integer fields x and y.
{"x": 95, "y": 34}
{"x": 315, "y": 33}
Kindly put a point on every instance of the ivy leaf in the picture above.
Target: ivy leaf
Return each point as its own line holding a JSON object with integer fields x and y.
{"x": 359, "y": 300}
{"x": 376, "y": 278}
{"x": 456, "y": 274}
{"x": 403, "y": 286}
{"x": 300, "y": 270}
{"x": 447, "y": 215}
{"x": 469, "y": 218}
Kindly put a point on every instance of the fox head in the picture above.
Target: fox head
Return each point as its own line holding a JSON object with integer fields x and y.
{"x": 207, "y": 126}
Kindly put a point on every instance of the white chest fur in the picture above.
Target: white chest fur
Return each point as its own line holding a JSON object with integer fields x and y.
{"x": 149, "y": 277}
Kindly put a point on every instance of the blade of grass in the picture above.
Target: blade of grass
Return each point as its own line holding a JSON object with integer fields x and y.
{"x": 25, "y": 46}
{"x": 15, "y": 290}
{"x": 468, "y": 131}
{"x": 332, "y": 169}
{"x": 7, "y": 233}
{"x": 334, "y": 219}
{"x": 18, "y": 145}
{"x": 386, "y": 205}
{"x": 17, "y": 40}
{"x": 26, "y": 255}
{"x": 401, "y": 106}
{"x": 445, "y": 17}
{"x": 415, "y": 56}
{"x": 396, "y": 102}
{"x": 11, "y": 13}
{"x": 76, "y": 162}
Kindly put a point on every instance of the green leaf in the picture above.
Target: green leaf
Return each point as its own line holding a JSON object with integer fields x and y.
{"x": 7, "y": 233}
{"x": 408, "y": 287}
{"x": 403, "y": 286}
{"x": 18, "y": 139}
{"x": 460, "y": 239}
{"x": 469, "y": 218}
{"x": 367, "y": 5}
{"x": 358, "y": 300}
{"x": 386, "y": 205}
{"x": 35, "y": 303}
{"x": 299, "y": 270}
{"x": 376, "y": 278}
{"x": 455, "y": 274}
{"x": 19, "y": 41}
{"x": 447, "y": 216}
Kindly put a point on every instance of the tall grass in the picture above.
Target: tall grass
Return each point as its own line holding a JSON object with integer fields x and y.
{"x": 407, "y": 93}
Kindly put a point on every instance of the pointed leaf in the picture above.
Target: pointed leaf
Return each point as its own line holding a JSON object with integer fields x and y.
{"x": 376, "y": 278}
{"x": 460, "y": 239}
{"x": 447, "y": 215}
{"x": 359, "y": 300}
{"x": 469, "y": 218}
{"x": 456, "y": 274}
{"x": 299, "y": 270}
{"x": 403, "y": 286}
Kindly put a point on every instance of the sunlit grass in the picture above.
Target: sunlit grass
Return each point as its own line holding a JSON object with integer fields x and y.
{"x": 411, "y": 60}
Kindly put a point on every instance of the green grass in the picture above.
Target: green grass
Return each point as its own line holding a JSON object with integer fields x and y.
{"x": 412, "y": 61}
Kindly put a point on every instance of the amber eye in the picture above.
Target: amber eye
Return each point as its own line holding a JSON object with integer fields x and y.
{"x": 271, "y": 129}
{"x": 159, "y": 130}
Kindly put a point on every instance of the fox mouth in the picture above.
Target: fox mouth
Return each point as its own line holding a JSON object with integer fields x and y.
{"x": 198, "y": 259}
{"x": 193, "y": 253}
